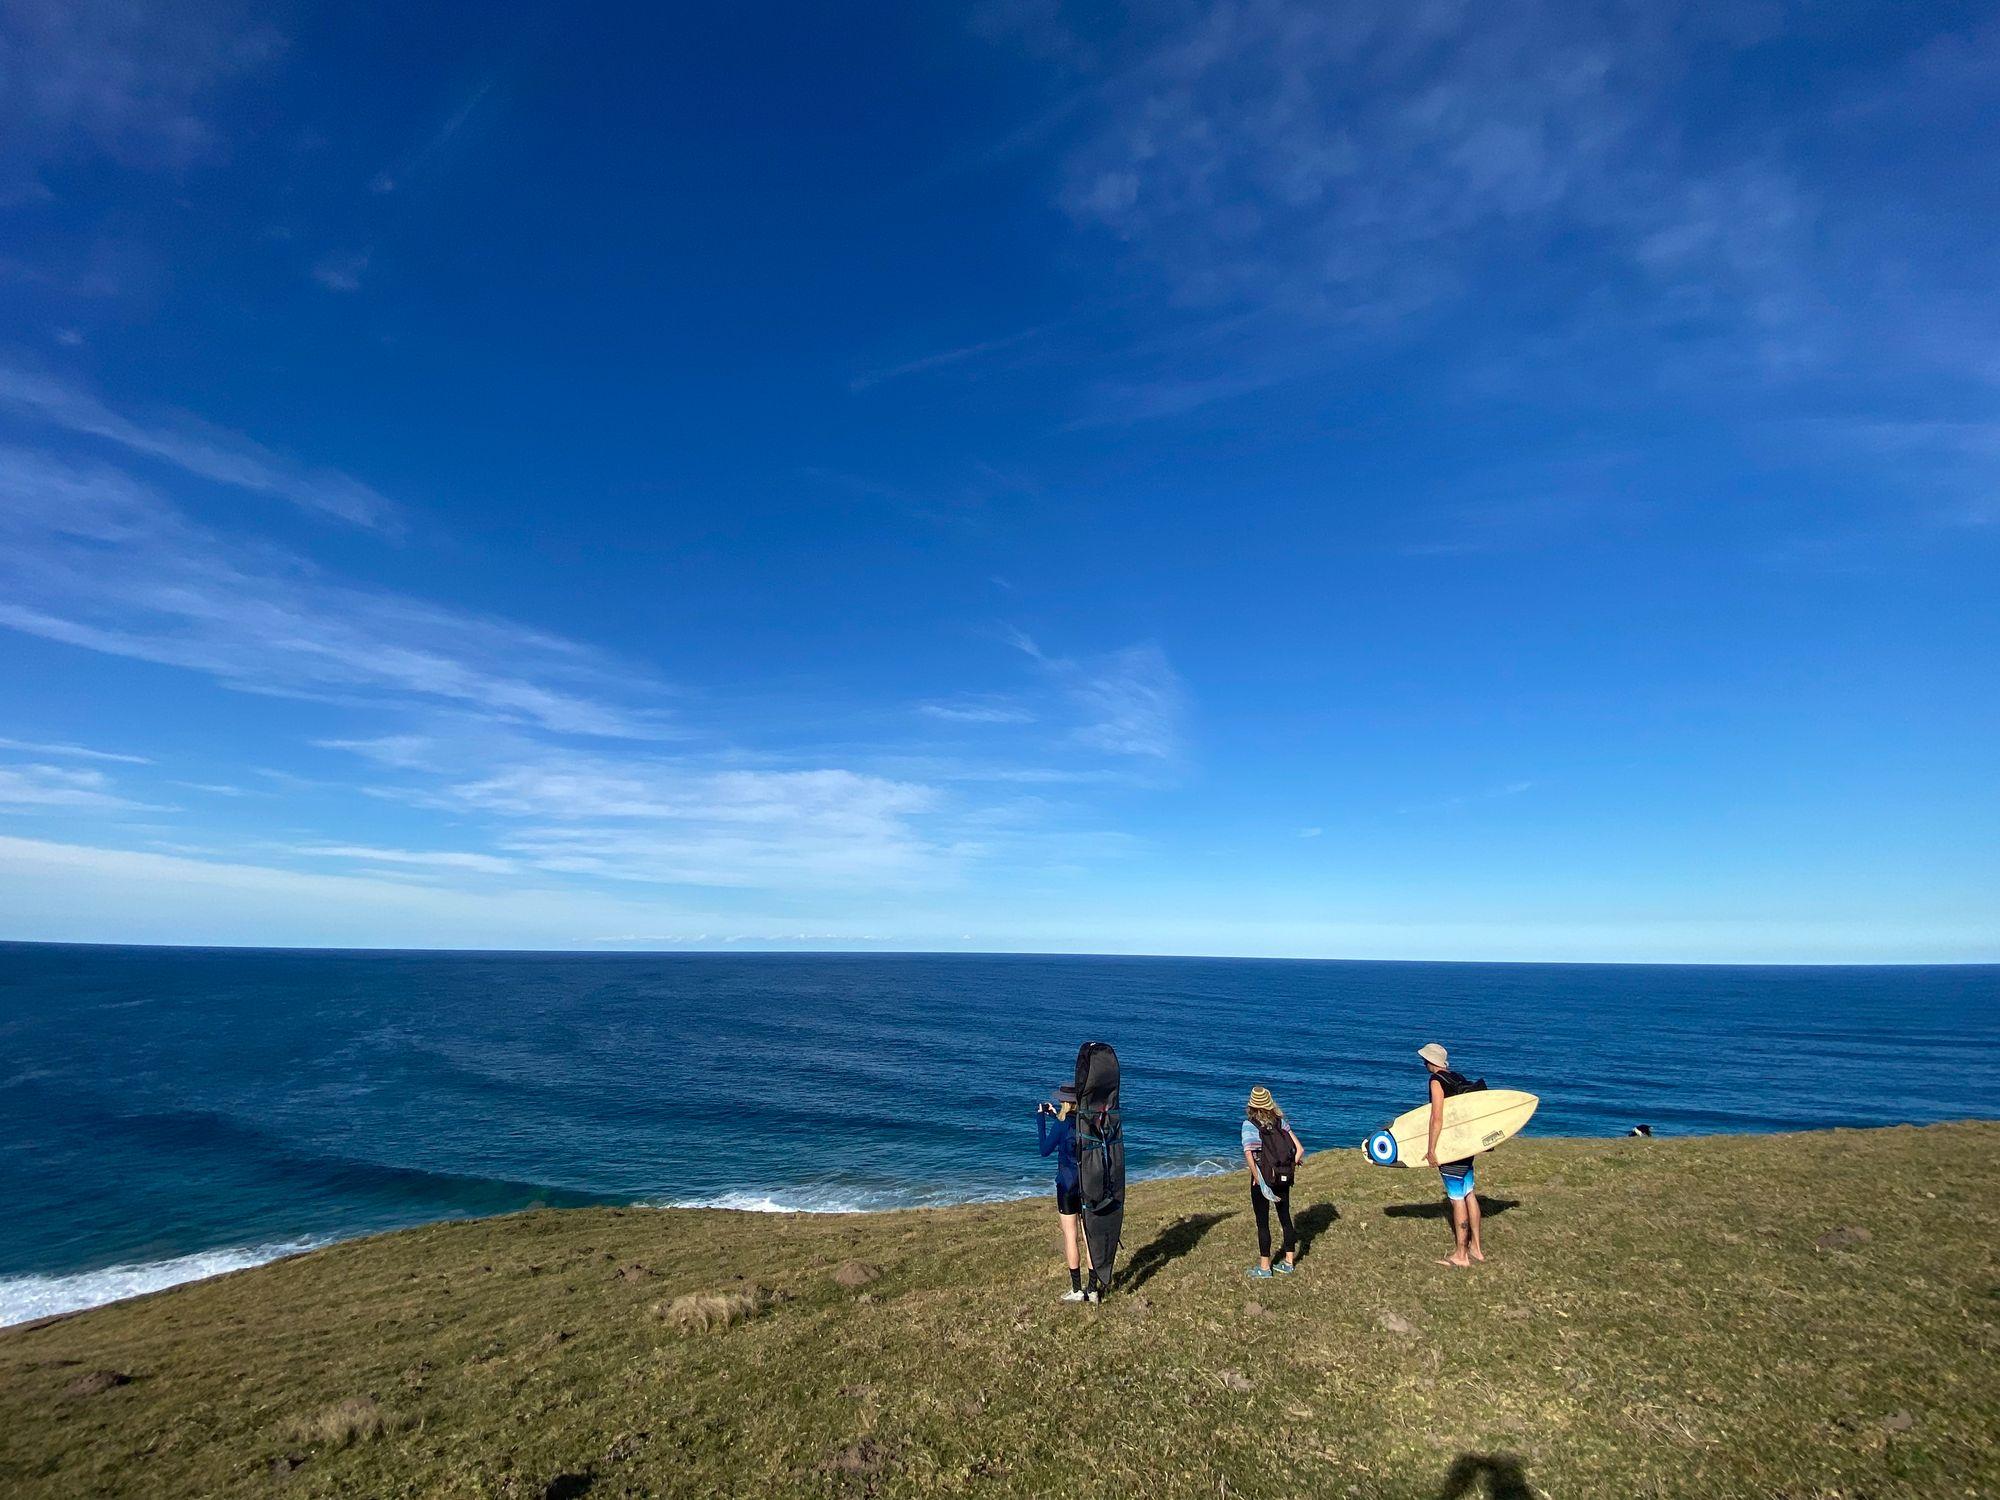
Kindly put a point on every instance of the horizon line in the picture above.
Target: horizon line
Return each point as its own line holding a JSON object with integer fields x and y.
{"x": 750, "y": 950}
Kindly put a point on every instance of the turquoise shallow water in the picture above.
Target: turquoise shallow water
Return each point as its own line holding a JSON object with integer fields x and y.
{"x": 172, "y": 1112}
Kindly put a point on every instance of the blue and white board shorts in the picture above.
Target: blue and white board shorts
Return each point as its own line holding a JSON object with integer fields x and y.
{"x": 1458, "y": 1182}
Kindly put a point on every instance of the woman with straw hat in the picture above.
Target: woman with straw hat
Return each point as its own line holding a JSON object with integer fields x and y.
{"x": 1273, "y": 1153}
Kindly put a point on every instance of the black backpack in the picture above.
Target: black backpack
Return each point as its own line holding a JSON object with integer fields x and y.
{"x": 1458, "y": 1083}
{"x": 1276, "y": 1156}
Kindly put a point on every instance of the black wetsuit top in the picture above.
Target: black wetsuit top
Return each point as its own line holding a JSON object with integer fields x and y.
{"x": 1454, "y": 1083}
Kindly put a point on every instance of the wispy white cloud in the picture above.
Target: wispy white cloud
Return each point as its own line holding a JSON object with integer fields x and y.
{"x": 945, "y": 358}
{"x": 93, "y": 558}
{"x": 977, "y": 711}
{"x": 79, "y": 892}
{"x": 1132, "y": 701}
{"x": 403, "y": 752}
{"x": 1337, "y": 162}
{"x": 1953, "y": 462}
{"x": 341, "y": 270}
{"x": 972, "y": 489}
{"x": 38, "y": 787}
{"x": 1033, "y": 775}
{"x": 428, "y": 154}
{"x": 622, "y": 814}
{"x": 195, "y": 447}
{"x": 440, "y": 859}
{"x": 1466, "y": 799}
{"x": 1301, "y": 183}
{"x": 802, "y": 856}
{"x": 129, "y": 82}
{"x": 1515, "y": 506}
{"x": 1900, "y": 437}
{"x": 1135, "y": 701}
{"x": 672, "y": 822}
{"x": 574, "y": 787}
{"x": 1311, "y": 833}
{"x": 73, "y": 752}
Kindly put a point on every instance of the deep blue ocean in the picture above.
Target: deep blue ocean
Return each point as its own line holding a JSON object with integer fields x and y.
{"x": 169, "y": 1113}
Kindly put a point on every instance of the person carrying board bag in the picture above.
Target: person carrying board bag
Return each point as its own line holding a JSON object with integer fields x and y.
{"x": 1055, "y": 1124}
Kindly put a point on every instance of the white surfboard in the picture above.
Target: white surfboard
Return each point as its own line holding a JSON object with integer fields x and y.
{"x": 1473, "y": 1123}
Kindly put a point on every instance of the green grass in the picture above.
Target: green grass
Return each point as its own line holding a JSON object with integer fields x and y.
{"x": 1656, "y": 1319}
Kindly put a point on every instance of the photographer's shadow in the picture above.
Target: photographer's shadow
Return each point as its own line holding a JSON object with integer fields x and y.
{"x": 1490, "y": 1476}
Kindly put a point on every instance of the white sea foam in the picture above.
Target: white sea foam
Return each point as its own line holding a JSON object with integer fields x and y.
{"x": 1208, "y": 1166}
{"x": 822, "y": 1201}
{"x": 830, "y": 1200}
{"x": 778, "y": 1203}
{"x": 25, "y": 1297}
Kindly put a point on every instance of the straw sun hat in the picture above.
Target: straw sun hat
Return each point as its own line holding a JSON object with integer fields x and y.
{"x": 1260, "y": 1098}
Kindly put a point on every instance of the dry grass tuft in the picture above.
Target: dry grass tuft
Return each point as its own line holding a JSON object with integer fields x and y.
{"x": 711, "y": 1312}
{"x": 96, "y": 1383}
{"x": 356, "y": 1420}
{"x": 863, "y": 1456}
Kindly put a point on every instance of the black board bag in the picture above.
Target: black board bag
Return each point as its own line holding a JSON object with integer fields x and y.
{"x": 1100, "y": 1155}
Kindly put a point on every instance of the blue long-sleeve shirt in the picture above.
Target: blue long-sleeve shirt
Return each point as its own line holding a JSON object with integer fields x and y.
{"x": 1059, "y": 1140}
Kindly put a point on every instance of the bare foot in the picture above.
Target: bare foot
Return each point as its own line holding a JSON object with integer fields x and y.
{"x": 1479, "y": 1256}
{"x": 1457, "y": 1260}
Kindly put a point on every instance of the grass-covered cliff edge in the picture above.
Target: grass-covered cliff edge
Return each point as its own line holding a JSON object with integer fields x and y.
{"x": 1806, "y": 1315}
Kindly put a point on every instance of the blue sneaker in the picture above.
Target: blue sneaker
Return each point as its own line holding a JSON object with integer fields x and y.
{"x": 1284, "y": 1268}
{"x": 1258, "y": 1273}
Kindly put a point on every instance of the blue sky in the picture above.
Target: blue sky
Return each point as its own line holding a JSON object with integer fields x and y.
{"x": 1281, "y": 478}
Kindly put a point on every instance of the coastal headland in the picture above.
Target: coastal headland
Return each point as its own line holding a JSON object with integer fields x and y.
{"x": 1812, "y": 1315}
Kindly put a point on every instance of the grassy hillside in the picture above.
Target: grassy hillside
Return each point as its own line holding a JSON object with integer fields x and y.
{"x": 1772, "y": 1316}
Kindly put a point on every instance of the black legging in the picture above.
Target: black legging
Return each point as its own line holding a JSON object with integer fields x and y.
{"x": 1263, "y": 1207}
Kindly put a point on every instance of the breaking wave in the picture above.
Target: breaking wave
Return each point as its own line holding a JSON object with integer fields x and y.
{"x": 24, "y": 1298}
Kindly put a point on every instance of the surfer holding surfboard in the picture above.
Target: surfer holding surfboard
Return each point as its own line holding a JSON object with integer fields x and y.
{"x": 1463, "y": 1119}
{"x": 1460, "y": 1190}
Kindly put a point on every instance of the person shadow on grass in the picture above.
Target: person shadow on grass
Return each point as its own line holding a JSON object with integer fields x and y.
{"x": 1312, "y": 1223}
{"x": 1494, "y": 1476}
{"x": 1442, "y": 1210}
{"x": 1169, "y": 1245}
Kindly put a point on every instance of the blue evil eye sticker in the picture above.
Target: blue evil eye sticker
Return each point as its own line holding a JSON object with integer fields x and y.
{"x": 1381, "y": 1148}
